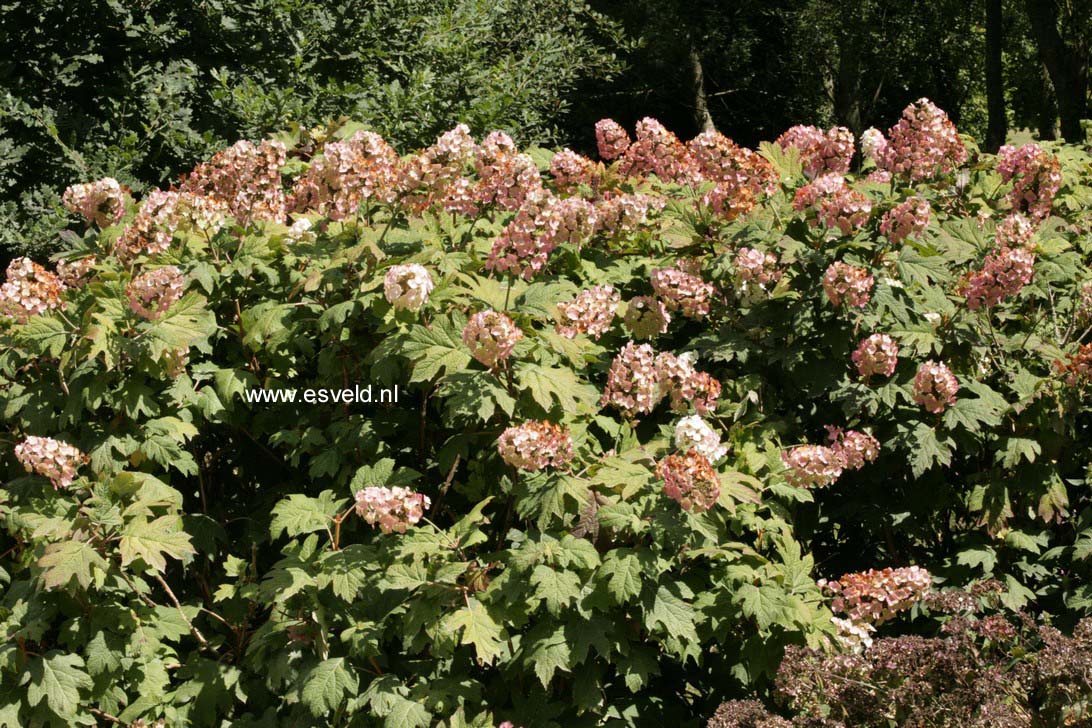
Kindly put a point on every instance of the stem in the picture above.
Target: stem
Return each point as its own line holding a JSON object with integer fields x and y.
{"x": 196, "y": 632}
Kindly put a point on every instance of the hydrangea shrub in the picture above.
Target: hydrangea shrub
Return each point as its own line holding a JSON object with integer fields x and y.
{"x": 618, "y": 410}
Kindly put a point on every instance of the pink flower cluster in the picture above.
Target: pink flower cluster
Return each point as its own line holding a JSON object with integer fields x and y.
{"x": 570, "y": 169}
{"x": 1015, "y": 231}
{"x": 935, "y": 387}
{"x": 633, "y": 381}
{"x": 540, "y": 226}
{"x": 873, "y": 143}
{"x": 363, "y": 167}
{"x": 151, "y": 293}
{"x": 1004, "y": 273}
{"x": 906, "y": 219}
{"x": 639, "y": 378}
{"x": 407, "y": 286}
{"x": 506, "y": 178}
{"x": 100, "y": 203}
{"x": 535, "y": 446}
{"x": 625, "y": 213}
{"x": 754, "y": 266}
{"x": 392, "y": 509}
{"x": 29, "y": 290}
{"x": 1036, "y": 176}
{"x": 591, "y": 312}
{"x": 246, "y": 178}
{"x": 844, "y": 282}
{"x": 820, "y": 151}
{"x": 683, "y": 291}
{"x": 686, "y": 384}
{"x": 812, "y": 466}
{"x": 694, "y": 433}
{"x": 856, "y": 449}
{"x": 690, "y": 480}
{"x": 611, "y": 139}
{"x": 76, "y": 272}
{"x": 427, "y": 174}
{"x": 923, "y": 144}
{"x": 877, "y": 355}
{"x": 491, "y": 336}
{"x": 876, "y": 596}
{"x": 656, "y": 151}
{"x": 153, "y": 228}
{"x": 646, "y": 317}
{"x": 838, "y": 206}
{"x": 739, "y": 174}
{"x": 50, "y": 458}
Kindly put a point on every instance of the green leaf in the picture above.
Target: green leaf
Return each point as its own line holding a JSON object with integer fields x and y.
{"x": 550, "y": 386}
{"x": 58, "y": 678}
{"x": 43, "y": 336}
{"x": 548, "y": 653}
{"x": 185, "y": 324}
{"x": 66, "y": 559}
{"x": 327, "y": 685}
{"x": 672, "y": 613}
{"x": 406, "y": 713}
{"x": 438, "y": 348}
{"x": 557, "y": 588}
{"x": 479, "y": 630}
{"x": 151, "y": 540}
{"x": 762, "y": 603}
{"x": 624, "y": 574}
{"x": 928, "y": 450}
{"x": 298, "y": 514}
{"x": 913, "y": 267}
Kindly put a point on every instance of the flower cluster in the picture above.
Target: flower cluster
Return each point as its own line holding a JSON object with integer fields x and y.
{"x": 876, "y": 596}
{"x": 246, "y": 177}
{"x": 923, "y": 144}
{"x": 856, "y": 449}
{"x": 690, "y": 480}
{"x": 76, "y": 272}
{"x": 739, "y": 175}
{"x": 694, "y": 433}
{"x": 29, "y": 290}
{"x": 151, "y": 293}
{"x": 625, "y": 213}
{"x": 1036, "y": 177}
{"x": 633, "y": 381}
{"x": 873, "y": 143}
{"x": 50, "y": 458}
{"x": 682, "y": 291}
{"x": 427, "y": 176}
{"x": 153, "y": 228}
{"x": 844, "y": 282}
{"x": 876, "y": 355}
{"x": 491, "y": 336}
{"x": 1004, "y": 273}
{"x": 507, "y": 178}
{"x": 540, "y": 226}
{"x": 935, "y": 387}
{"x": 591, "y": 312}
{"x": 407, "y": 286}
{"x": 906, "y": 219}
{"x": 611, "y": 139}
{"x": 1015, "y": 231}
{"x": 755, "y": 267}
{"x": 646, "y": 317}
{"x": 363, "y": 167}
{"x": 570, "y": 169}
{"x": 685, "y": 384}
{"x": 392, "y": 509}
{"x": 853, "y": 636}
{"x": 100, "y": 203}
{"x": 535, "y": 446}
{"x": 1079, "y": 366}
{"x": 656, "y": 151}
{"x": 812, "y": 466}
{"x": 820, "y": 152}
{"x": 838, "y": 206}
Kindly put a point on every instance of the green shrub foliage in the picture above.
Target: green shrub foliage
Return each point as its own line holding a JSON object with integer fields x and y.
{"x": 656, "y": 416}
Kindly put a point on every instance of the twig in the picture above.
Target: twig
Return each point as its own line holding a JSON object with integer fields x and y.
{"x": 196, "y": 632}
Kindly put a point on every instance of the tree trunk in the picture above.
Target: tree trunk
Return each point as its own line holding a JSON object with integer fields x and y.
{"x": 702, "y": 118}
{"x": 1048, "y": 110}
{"x": 1067, "y": 65}
{"x": 847, "y": 88}
{"x": 998, "y": 126}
